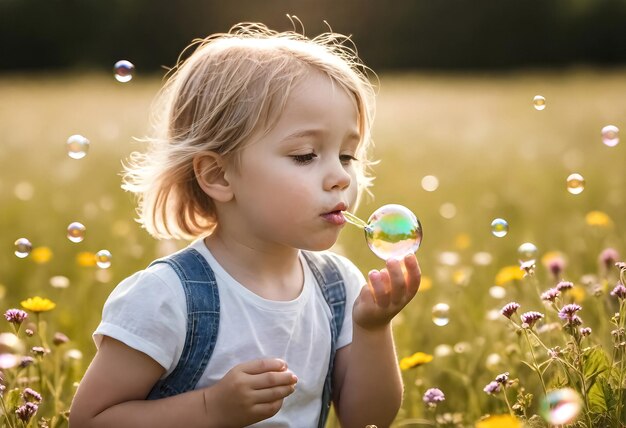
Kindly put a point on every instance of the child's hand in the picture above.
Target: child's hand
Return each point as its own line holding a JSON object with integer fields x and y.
{"x": 251, "y": 392}
{"x": 389, "y": 291}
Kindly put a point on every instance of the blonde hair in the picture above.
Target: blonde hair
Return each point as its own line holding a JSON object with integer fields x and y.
{"x": 233, "y": 85}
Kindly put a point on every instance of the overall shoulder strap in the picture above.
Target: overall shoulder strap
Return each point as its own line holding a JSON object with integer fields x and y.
{"x": 203, "y": 315}
{"x": 331, "y": 284}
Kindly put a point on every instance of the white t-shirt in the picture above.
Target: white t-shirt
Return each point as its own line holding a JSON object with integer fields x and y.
{"x": 147, "y": 312}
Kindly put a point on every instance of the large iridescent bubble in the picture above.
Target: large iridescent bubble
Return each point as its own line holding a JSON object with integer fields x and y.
{"x": 561, "y": 406}
{"x": 392, "y": 231}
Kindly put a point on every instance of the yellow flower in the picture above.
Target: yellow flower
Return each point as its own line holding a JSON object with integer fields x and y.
{"x": 508, "y": 274}
{"x": 415, "y": 360}
{"x": 499, "y": 421}
{"x": 38, "y": 304}
{"x": 86, "y": 259}
{"x": 598, "y": 218}
{"x": 41, "y": 255}
{"x": 426, "y": 283}
{"x": 578, "y": 293}
{"x": 462, "y": 241}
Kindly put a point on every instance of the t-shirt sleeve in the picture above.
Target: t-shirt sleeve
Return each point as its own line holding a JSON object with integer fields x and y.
{"x": 354, "y": 282}
{"x": 147, "y": 312}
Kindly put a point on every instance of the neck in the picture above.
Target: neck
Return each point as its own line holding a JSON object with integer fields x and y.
{"x": 273, "y": 273}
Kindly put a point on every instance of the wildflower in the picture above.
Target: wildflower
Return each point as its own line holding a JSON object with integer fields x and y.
{"x": 619, "y": 291}
{"x": 509, "y": 309}
{"x": 38, "y": 304}
{"x": 528, "y": 267}
{"x": 60, "y": 338}
{"x": 26, "y": 361}
{"x": 530, "y": 318}
{"x": 415, "y": 360}
{"x": 15, "y": 316}
{"x": 30, "y": 395}
{"x": 40, "y": 351}
{"x": 585, "y": 331}
{"x": 86, "y": 259}
{"x": 575, "y": 320}
{"x": 41, "y": 255}
{"x": 499, "y": 421}
{"x": 608, "y": 257}
{"x": 492, "y": 387}
{"x": 554, "y": 262}
{"x": 567, "y": 312}
{"x": 564, "y": 285}
{"x": 550, "y": 295}
{"x": 554, "y": 352}
{"x": 502, "y": 378}
{"x": 29, "y": 332}
{"x": 432, "y": 396}
{"x": 508, "y": 274}
{"x": 598, "y": 218}
{"x": 25, "y": 412}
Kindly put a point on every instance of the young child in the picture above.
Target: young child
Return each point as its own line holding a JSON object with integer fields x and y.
{"x": 263, "y": 144}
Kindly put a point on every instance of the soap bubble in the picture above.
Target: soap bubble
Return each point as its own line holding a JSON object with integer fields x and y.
{"x": 76, "y": 232}
{"x": 575, "y": 184}
{"x": 499, "y": 227}
{"x": 103, "y": 259}
{"x": 610, "y": 135}
{"x": 77, "y": 146}
{"x": 527, "y": 251}
{"x": 393, "y": 231}
{"x": 23, "y": 247}
{"x": 561, "y": 406}
{"x": 539, "y": 102}
{"x": 123, "y": 71}
{"x": 441, "y": 314}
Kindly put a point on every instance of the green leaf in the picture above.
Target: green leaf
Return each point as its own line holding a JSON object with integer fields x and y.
{"x": 600, "y": 396}
{"x": 595, "y": 362}
{"x": 12, "y": 398}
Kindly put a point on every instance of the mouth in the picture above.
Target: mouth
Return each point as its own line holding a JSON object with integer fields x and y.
{"x": 335, "y": 216}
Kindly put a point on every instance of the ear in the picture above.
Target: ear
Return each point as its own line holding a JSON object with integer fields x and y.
{"x": 210, "y": 175}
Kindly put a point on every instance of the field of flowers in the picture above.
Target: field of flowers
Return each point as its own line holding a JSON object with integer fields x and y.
{"x": 493, "y": 331}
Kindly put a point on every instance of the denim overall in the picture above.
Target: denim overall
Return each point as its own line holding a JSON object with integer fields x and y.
{"x": 203, "y": 316}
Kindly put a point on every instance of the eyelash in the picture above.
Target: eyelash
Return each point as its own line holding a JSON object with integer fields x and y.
{"x": 308, "y": 158}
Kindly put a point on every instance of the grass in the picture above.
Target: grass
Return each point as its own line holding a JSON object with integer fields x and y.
{"x": 494, "y": 156}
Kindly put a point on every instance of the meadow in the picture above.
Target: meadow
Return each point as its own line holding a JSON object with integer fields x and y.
{"x": 493, "y": 155}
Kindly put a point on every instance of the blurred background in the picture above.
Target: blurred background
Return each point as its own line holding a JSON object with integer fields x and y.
{"x": 458, "y": 137}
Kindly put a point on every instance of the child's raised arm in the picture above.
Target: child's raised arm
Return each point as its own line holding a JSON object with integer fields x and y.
{"x": 114, "y": 389}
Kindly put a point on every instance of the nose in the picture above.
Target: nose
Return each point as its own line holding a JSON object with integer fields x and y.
{"x": 337, "y": 176}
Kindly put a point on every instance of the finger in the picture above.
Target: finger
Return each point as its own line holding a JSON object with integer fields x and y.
{"x": 272, "y": 379}
{"x": 268, "y": 395}
{"x": 263, "y": 366}
{"x": 397, "y": 281}
{"x": 379, "y": 281}
{"x": 413, "y": 274}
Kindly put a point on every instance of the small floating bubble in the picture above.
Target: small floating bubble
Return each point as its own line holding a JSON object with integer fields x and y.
{"x": 77, "y": 146}
{"x": 123, "y": 71}
{"x": 561, "y": 406}
{"x": 23, "y": 247}
{"x": 539, "y": 102}
{"x": 441, "y": 314}
{"x": 575, "y": 184}
{"x": 76, "y": 232}
{"x": 527, "y": 251}
{"x": 499, "y": 227}
{"x": 103, "y": 259}
{"x": 610, "y": 135}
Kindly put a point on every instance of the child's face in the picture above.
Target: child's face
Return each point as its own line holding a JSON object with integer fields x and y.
{"x": 293, "y": 182}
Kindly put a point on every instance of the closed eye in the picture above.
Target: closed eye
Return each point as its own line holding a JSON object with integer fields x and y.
{"x": 304, "y": 159}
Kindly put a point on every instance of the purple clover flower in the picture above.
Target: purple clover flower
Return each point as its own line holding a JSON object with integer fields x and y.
{"x": 502, "y": 378}
{"x": 15, "y": 316}
{"x": 568, "y": 312}
{"x": 25, "y": 412}
{"x": 492, "y": 387}
{"x": 550, "y": 295}
{"x": 432, "y": 396}
{"x": 26, "y": 361}
{"x": 31, "y": 396}
{"x": 608, "y": 257}
{"x": 564, "y": 285}
{"x": 619, "y": 291}
{"x": 556, "y": 266}
{"x": 530, "y": 318}
{"x": 585, "y": 331}
{"x": 509, "y": 309}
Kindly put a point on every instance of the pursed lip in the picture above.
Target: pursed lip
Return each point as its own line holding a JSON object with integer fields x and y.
{"x": 335, "y": 216}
